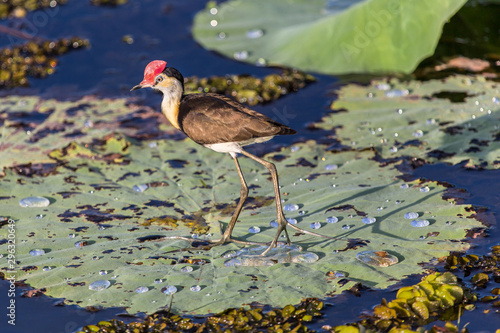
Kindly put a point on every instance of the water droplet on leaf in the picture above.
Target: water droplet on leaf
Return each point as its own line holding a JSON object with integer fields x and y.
{"x": 332, "y": 219}
{"x": 240, "y": 55}
{"x": 141, "y": 290}
{"x": 81, "y": 243}
{"x": 418, "y": 134}
{"x": 34, "y": 202}
{"x": 255, "y": 33}
{"x": 315, "y": 225}
{"x": 330, "y": 167}
{"x": 397, "y": 93}
{"x": 291, "y": 207}
{"x": 425, "y": 189}
{"x": 368, "y": 220}
{"x": 383, "y": 86}
{"x": 169, "y": 290}
{"x": 37, "y": 252}
{"x": 254, "y": 230}
{"x": 411, "y": 215}
{"x": 195, "y": 288}
{"x": 99, "y": 285}
{"x": 140, "y": 187}
{"x": 377, "y": 258}
{"x": 419, "y": 223}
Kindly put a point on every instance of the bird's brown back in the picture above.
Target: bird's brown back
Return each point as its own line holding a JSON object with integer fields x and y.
{"x": 210, "y": 118}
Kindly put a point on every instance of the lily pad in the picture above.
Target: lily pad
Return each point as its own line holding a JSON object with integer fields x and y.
{"x": 97, "y": 222}
{"x": 32, "y": 127}
{"x": 455, "y": 120}
{"x": 326, "y": 36}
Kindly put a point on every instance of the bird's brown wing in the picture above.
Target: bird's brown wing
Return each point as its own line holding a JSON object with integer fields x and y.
{"x": 212, "y": 118}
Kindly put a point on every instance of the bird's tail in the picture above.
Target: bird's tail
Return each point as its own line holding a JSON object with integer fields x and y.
{"x": 285, "y": 130}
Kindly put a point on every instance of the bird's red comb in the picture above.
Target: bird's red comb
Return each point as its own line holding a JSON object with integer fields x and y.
{"x": 152, "y": 69}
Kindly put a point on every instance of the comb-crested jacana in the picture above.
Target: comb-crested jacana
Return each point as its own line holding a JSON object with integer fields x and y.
{"x": 221, "y": 124}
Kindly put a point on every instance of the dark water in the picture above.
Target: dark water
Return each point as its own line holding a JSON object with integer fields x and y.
{"x": 161, "y": 30}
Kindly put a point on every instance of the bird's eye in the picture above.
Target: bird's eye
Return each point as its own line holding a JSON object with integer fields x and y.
{"x": 158, "y": 79}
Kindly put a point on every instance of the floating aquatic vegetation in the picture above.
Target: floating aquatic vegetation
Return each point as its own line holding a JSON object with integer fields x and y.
{"x": 425, "y": 126}
{"x": 287, "y": 319}
{"x": 438, "y": 296}
{"x": 126, "y": 237}
{"x": 33, "y": 59}
{"x": 249, "y": 89}
{"x": 19, "y": 8}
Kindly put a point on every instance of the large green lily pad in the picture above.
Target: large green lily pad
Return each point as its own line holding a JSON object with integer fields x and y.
{"x": 326, "y": 36}
{"x": 452, "y": 120}
{"x": 90, "y": 187}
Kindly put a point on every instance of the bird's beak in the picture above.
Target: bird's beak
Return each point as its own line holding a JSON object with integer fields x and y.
{"x": 139, "y": 86}
{"x": 144, "y": 84}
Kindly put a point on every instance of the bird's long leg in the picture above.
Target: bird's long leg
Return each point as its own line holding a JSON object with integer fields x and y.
{"x": 243, "y": 196}
{"x": 279, "y": 211}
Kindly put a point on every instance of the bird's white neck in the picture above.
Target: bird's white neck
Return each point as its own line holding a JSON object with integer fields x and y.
{"x": 171, "y": 100}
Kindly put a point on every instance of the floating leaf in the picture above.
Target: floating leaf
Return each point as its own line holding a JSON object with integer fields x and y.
{"x": 93, "y": 201}
{"x": 326, "y": 36}
{"x": 452, "y": 120}
{"x": 33, "y": 127}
